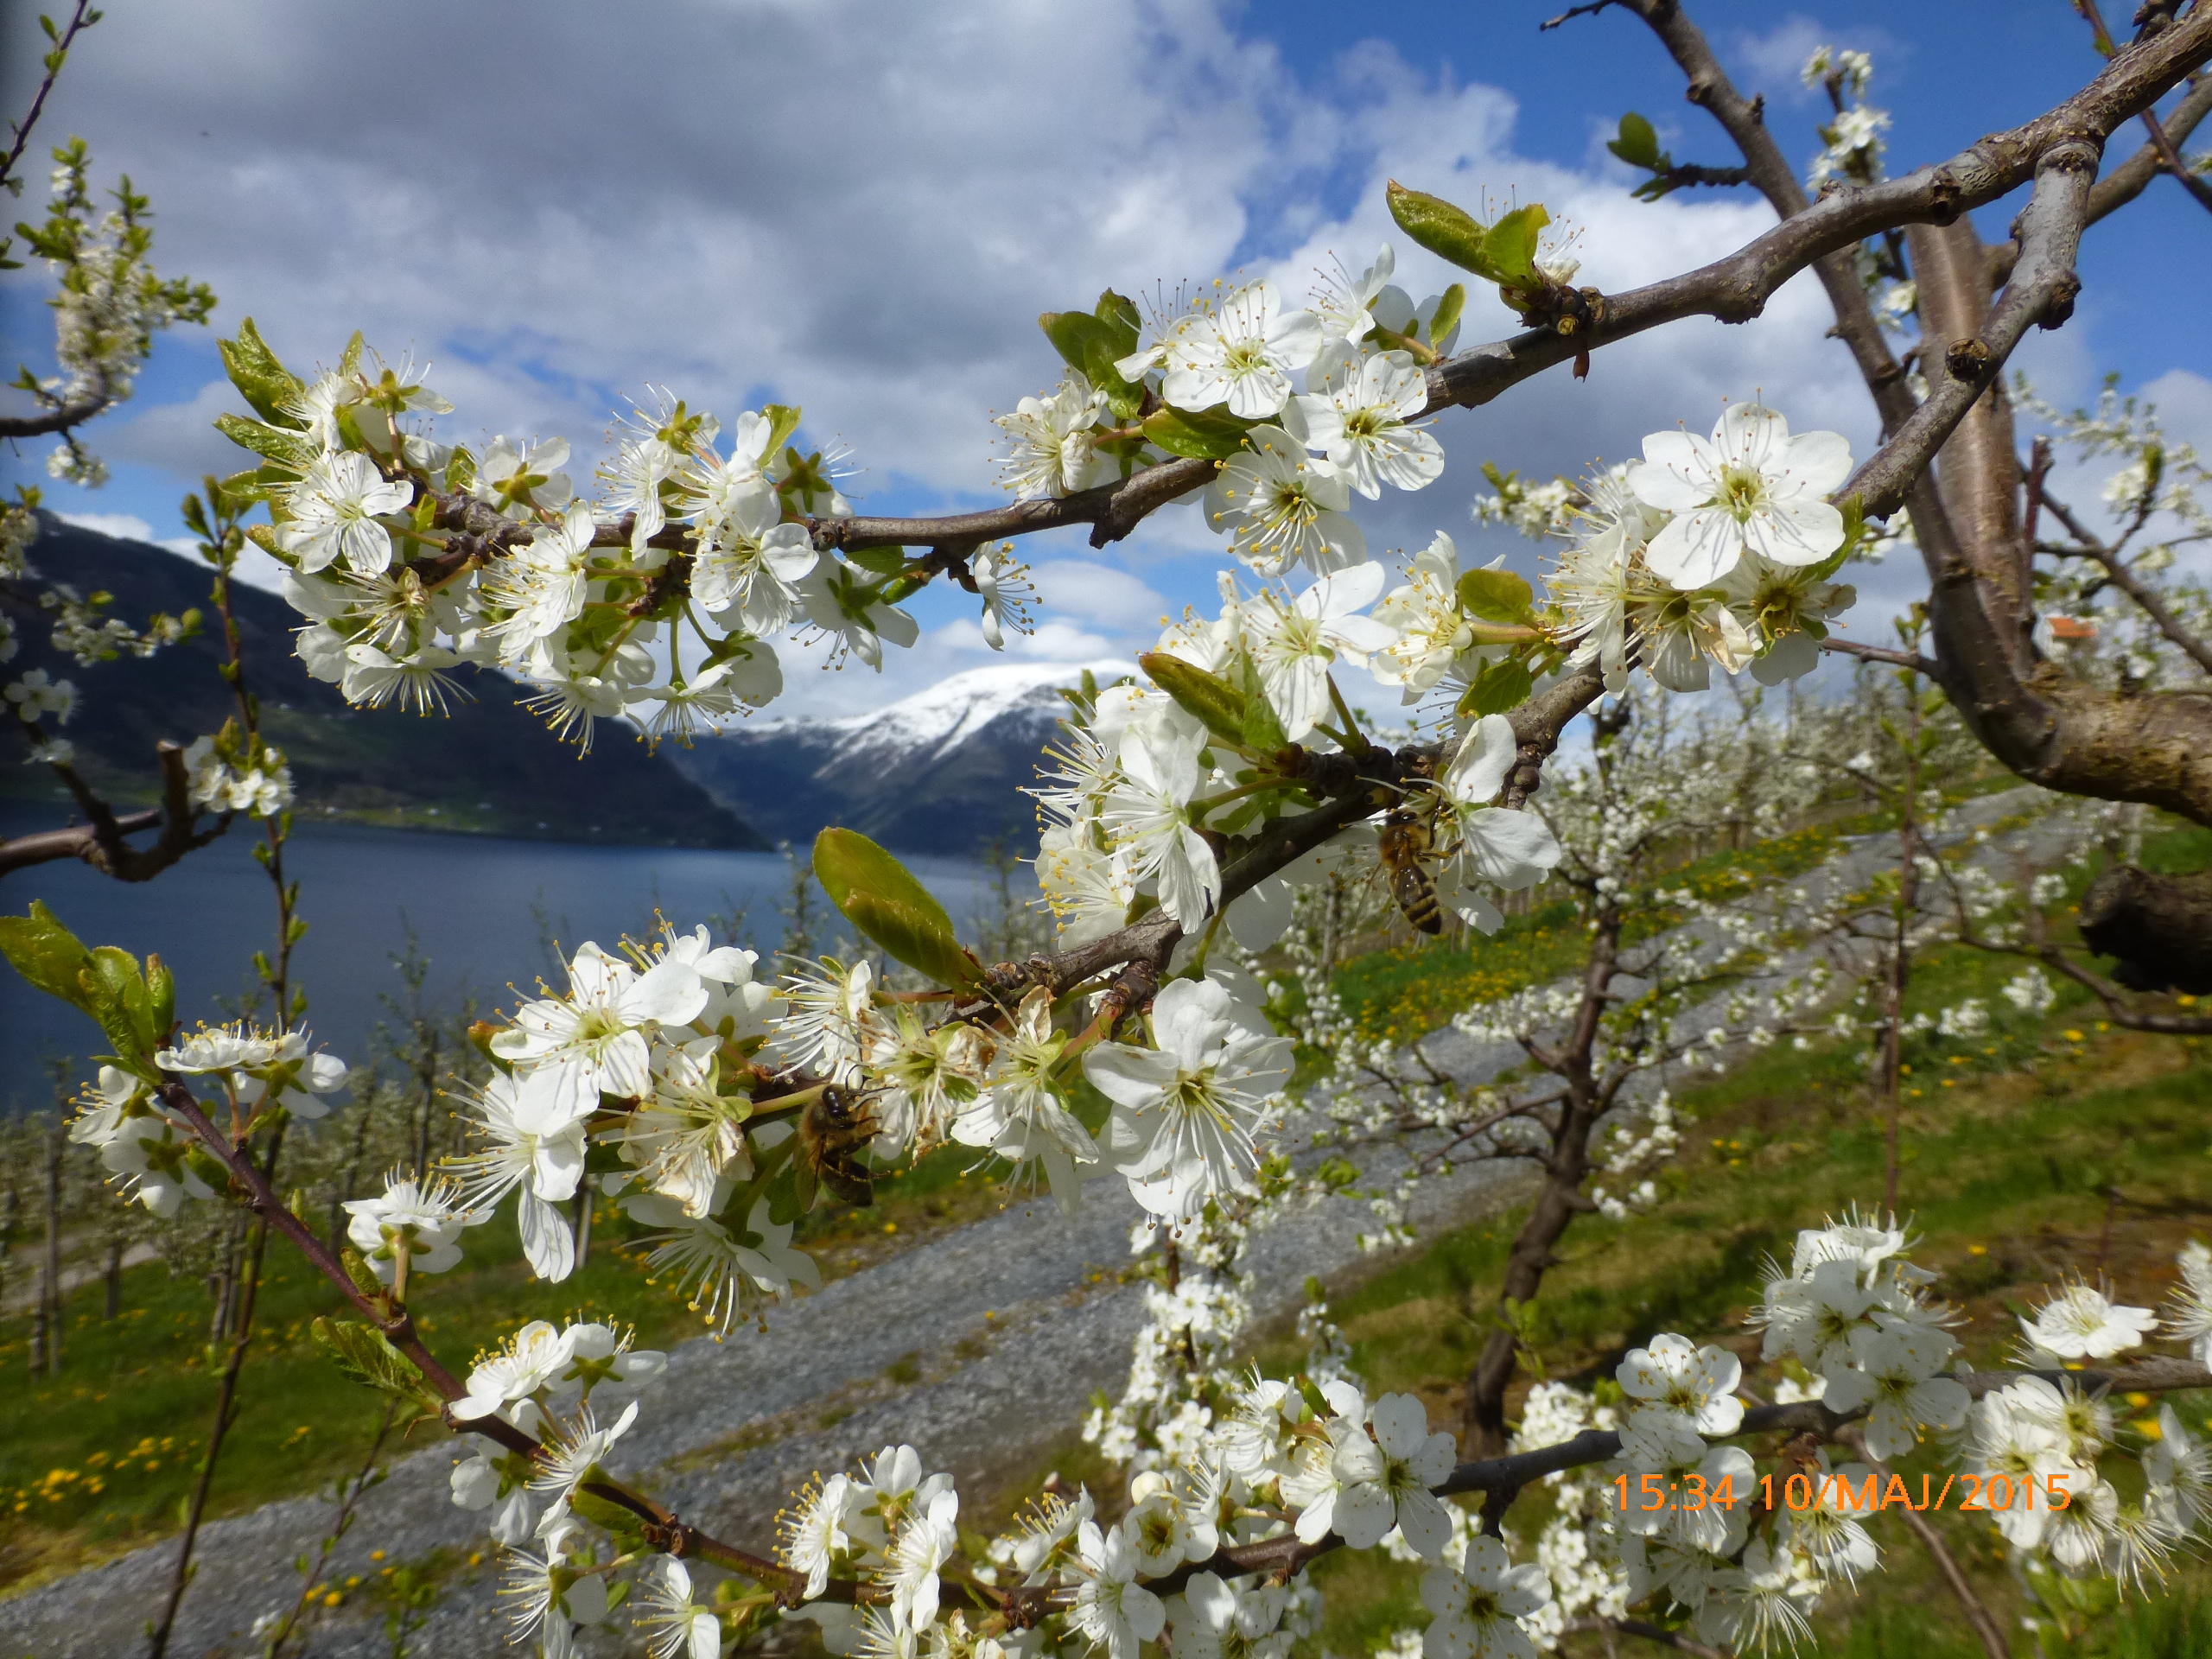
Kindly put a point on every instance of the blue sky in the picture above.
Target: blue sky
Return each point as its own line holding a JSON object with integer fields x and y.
{"x": 665, "y": 198}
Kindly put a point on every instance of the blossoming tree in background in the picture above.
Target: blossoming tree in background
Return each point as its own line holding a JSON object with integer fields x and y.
{"x": 719, "y": 1099}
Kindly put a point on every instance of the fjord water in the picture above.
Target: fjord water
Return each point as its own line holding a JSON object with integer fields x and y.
{"x": 474, "y": 904}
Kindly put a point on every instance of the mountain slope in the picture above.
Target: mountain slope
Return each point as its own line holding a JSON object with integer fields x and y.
{"x": 941, "y": 772}
{"x": 491, "y": 767}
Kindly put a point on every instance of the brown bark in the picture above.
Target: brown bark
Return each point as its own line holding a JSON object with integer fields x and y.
{"x": 1560, "y": 1198}
{"x": 2158, "y": 927}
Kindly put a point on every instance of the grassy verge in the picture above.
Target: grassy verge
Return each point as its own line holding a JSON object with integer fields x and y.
{"x": 100, "y": 1459}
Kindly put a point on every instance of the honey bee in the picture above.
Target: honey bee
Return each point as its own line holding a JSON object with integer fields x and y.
{"x": 833, "y": 1130}
{"x": 1405, "y": 843}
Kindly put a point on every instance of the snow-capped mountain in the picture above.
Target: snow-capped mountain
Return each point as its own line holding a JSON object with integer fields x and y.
{"x": 940, "y": 771}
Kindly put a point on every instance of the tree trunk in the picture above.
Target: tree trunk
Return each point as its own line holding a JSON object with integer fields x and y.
{"x": 1483, "y": 1420}
{"x": 49, "y": 1290}
{"x": 2158, "y": 927}
{"x": 113, "y": 1305}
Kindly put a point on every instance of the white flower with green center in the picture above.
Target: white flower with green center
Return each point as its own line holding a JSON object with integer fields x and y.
{"x": 1675, "y": 1379}
{"x": 1684, "y": 633}
{"x": 1785, "y": 610}
{"x": 1431, "y": 629}
{"x": 528, "y": 1361}
{"x": 522, "y": 480}
{"x": 933, "y": 1072}
{"x": 926, "y": 1541}
{"x": 1281, "y": 508}
{"x": 1020, "y": 1114}
{"x": 1243, "y": 354}
{"x": 1893, "y": 1374}
{"x": 423, "y": 1217}
{"x": 1294, "y": 644}
{"x": 575, "y": 1447}
{"x": 846, "y": 606}
{"x": 1212, "y": 1621}
{"x": 689, "y": 1132}
{"x": 748, "y": 561}
{"x": 333, "y": 514}
{"x": 723, "y": 1275}
{"x": 1054, "y": 452}
{"x": 1147, "y": 814}
{"x": 1357, "y": 415}
{"x": 2080, "y": 1322}
{"x": 596, "y": 1037}
{"x": 1385, "y": 1481}
{"x": 540, "y": 587}
{"x": 1753, "y": 489}
{"x": 676, "y": 1626}
{"x": 1185, "y": 1111}
{"x": 1111, "y": 1608}
{"x": 552, "y": 1594}
{"x": 1760, "y": 1604}
{"x": 154, "y": 1158}
{"x": 415, "y": 680}
{"x": 1479, "y": 1605}
{"x": 603, "y": 1367}
{"x": 530, "y": 1125}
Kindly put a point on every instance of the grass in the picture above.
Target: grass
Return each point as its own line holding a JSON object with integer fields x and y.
{"x": 1397, "y": 992}
{"x": 2011, "y": 1180}
{"x": 102, "y": 1457}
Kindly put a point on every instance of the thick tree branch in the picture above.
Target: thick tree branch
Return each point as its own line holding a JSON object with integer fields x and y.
{"x": 59, "y": 418}
{"x": 100, "y": 843}
{"x": 2126, "y": 181}
{"x": 2041, "y": 295}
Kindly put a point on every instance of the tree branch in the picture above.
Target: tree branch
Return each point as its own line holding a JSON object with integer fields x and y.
{"x": 1911, "y": 659}
{"x": 2127, "y": 181}
{"x": 2126, "y": 581}
{"x": 1991, "y": 1633}
{"x": 99, "y": 841}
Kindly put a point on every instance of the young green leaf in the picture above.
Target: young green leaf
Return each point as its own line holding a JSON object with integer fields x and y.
{"x": 880, "y": 896}
{"x": 1206, "y": 435}
{"x": 1263, "y": 732}
{"x": 1499, "y": 688}
{"x": 1494, "y": 596}
{"x": 1216, "y": 702}
{"x": 1637, "y": 145}
{"x": 47, "y": 954}
{"x": 1510, "y": 246}
{"x": 265, "y": 384}
{"x": 365, "y": 1355}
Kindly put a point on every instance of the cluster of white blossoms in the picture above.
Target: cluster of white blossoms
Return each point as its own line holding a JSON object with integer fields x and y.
{"x": 1150, "y": 779}
{"x": 151, "y": 1153}
{"x": 1706, "y": 552}
{"x": 108, "y": 301}
{"x": 227, "y": 779}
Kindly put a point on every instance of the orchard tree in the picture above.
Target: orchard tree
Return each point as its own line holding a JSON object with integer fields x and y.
{"x": 718, "y": 1101}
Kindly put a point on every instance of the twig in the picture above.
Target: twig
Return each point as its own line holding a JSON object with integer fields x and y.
{"x": 1986, "y": 1628}
{"x": 77, "y": 23}
{"x": 1911, "y": 659}
{"x": 2117, "y": 572}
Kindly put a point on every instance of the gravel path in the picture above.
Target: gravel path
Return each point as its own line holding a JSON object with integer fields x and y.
{"x": 1010, "y": 1324}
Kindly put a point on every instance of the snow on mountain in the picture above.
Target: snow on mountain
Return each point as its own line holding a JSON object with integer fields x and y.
{"x": 940, "y": 771}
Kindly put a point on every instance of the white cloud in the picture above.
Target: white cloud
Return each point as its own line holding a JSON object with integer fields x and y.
{"x": 128, "y": 526}
{"x": 1097, "y": 593}
{"x": 178, "y": 438}
{"x": 1776, "y": 57}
